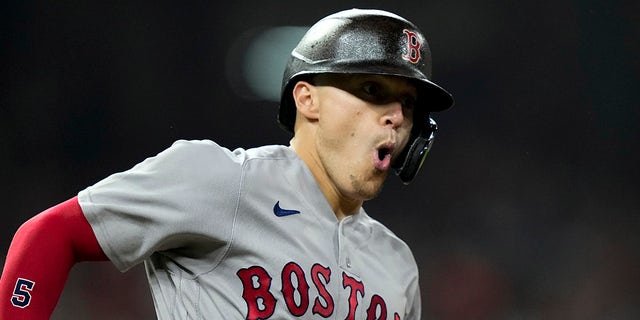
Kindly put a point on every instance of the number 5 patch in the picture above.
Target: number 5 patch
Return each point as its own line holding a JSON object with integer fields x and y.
{"x": 22, "y": 293}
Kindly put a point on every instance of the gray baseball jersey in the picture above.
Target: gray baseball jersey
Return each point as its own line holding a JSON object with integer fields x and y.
{"x": 248, "y": 234}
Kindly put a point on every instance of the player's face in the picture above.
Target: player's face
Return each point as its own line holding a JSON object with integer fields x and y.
{"x": 364, "y": 123}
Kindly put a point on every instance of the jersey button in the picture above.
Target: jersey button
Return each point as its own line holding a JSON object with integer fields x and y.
{"x": 348, "y": 262}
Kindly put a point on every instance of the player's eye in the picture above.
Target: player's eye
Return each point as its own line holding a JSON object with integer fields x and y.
{"x": 373, "y": 92}
{"x": 371, "y": 88}
{"x": 409, "y": 102}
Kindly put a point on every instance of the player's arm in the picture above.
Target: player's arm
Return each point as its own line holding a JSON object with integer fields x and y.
{"x": 40, "y": 257}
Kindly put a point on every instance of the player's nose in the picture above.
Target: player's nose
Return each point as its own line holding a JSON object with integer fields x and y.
{"x": 393, "y": 115}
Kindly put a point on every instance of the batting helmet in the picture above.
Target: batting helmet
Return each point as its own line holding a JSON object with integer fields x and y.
{"x": 369, "y": 41}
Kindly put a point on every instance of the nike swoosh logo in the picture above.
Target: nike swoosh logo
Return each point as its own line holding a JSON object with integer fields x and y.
{"x": 279, "y": 212}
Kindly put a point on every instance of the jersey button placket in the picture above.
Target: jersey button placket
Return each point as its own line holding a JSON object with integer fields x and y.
{"x": 344, "y": 244}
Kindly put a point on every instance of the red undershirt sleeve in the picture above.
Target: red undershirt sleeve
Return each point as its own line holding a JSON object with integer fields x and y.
{"x": 40, "y": 257}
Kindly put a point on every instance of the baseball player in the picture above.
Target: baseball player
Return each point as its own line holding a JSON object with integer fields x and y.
{"x": 273, "y": 232}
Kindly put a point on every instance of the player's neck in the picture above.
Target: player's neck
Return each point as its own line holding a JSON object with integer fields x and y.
{"x": 342, "y": 206}
{"x": 345, "y": 209}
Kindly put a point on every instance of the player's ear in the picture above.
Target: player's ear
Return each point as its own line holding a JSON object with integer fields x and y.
{"x": 304, "y": 95}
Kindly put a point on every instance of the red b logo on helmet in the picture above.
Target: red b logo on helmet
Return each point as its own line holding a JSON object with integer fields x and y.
{"x": 413, "y": 47}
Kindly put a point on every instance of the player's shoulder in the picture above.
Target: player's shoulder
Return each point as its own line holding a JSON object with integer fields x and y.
{"x": 269, "y": 152}
{"x": 209, "y": 147}
{"x": 204, "y": 145}
{"x": 201, "y": 154}
{"x": 203, "y": 151}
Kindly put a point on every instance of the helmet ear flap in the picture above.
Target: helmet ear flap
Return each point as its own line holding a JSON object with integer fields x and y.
{"x": 417, "y": 151}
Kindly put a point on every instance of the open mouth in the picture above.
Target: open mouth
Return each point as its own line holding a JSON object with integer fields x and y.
{"x": 382, "y": 157}
{"x": 383, "y": 153}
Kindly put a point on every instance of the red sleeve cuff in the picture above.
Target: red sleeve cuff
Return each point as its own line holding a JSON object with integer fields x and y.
{"x": 41, "y": 254}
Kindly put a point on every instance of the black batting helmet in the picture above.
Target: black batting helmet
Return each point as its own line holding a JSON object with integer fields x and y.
{"x": 369, "y": 41}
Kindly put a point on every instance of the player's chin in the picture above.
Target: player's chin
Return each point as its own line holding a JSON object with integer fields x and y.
{"x": 369, "y": 188}
{"x": 372, "y": 192}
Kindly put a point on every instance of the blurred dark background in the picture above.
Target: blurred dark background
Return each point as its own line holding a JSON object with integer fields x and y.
{"x": 527, "y": 207}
